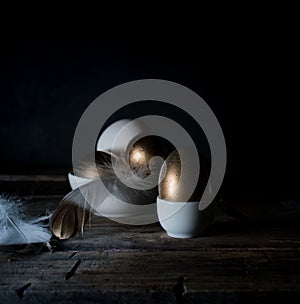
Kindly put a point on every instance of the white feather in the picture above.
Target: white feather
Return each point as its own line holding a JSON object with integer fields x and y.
{"x": 16, "y": 229}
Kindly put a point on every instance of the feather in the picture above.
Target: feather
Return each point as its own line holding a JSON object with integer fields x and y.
{"x": 75, "y": 208}
{"x": 103, "y": 160}
{"x": 16, "y": 229}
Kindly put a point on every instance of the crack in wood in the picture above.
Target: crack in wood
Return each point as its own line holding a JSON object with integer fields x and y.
{"x": 267, "y": 256}
{"x": 73, "y": 270}
{"x": 245, "y": 265}
{"x": 180, "y": 289}
{"x": 72, "y": 254}
{"x": 20, "y": 291}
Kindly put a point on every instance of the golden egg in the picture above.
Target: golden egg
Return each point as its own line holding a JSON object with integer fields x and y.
{"x": 144, "y": 150}
{"x": 174, "y": 189}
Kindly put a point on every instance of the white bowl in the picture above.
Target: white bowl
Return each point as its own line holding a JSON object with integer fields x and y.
{"x": 77, "y": 181}
{"x": 183, "y": 219}
{"x": 116, "y": 209}
{"x": 119, "y": 135}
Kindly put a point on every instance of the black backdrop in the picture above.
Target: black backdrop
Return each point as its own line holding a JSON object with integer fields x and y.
{"x": 247, "y": 80}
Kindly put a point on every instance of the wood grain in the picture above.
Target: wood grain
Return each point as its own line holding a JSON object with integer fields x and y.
{"x": 233, "y": 262}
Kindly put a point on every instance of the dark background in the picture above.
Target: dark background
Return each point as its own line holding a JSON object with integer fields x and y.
{"x": 246, "y": 77}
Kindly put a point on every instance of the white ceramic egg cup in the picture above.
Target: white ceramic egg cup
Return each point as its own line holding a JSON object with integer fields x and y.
{"x": 183, "y": 219}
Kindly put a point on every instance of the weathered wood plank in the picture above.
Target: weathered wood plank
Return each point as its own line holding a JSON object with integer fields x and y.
{"x": 34, "y": 184}
{"x": 134, "y": 272}
{"x": 107, "y": 234}
{"x": 225, "y": 234}
{"x": 33, "y": 178}
{"x": 233, "y": 262}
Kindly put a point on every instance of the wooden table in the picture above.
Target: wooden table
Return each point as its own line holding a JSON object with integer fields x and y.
{"x": 233, "y": 262}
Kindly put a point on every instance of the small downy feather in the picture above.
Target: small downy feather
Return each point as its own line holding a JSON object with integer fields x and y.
{"x": 16, "y": 229}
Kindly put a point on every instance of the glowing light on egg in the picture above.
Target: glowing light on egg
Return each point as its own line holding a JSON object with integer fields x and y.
{"x": 175, "y": 178}
{"x": 143, "y": 152}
